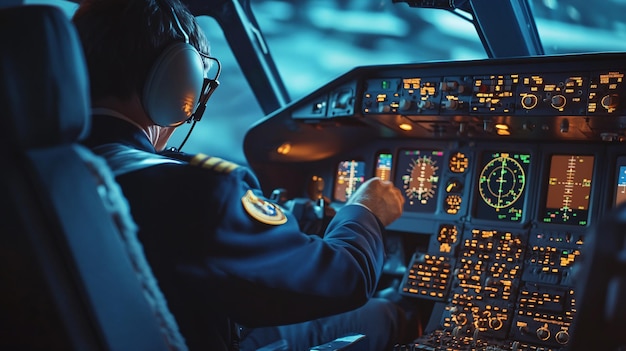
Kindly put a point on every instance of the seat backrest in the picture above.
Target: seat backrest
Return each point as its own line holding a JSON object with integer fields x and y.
{"x": 72, "y": 271}
{"x": 601, "y": 286}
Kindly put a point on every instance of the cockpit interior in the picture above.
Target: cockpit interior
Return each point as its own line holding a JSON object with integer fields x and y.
{"x": 509, "y": 151}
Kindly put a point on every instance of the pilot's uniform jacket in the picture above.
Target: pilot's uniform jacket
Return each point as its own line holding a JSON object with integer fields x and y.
{"x": 220, "y": 250}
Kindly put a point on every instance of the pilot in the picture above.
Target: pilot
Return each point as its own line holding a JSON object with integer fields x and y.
{"x": 222, "y": 252}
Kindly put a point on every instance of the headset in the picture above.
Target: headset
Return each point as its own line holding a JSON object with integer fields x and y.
{"x": 175, "y": 84}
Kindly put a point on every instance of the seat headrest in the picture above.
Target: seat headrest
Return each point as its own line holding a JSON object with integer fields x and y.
{"x": 44, "y": 88}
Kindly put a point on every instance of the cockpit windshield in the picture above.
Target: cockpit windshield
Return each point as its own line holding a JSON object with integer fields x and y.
{"x": 580, "y": 26}
{"x": 315, "y": 41}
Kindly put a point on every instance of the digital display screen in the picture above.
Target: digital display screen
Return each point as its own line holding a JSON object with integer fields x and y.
{"x": 383, "y": 166}
{"x": 568, "y": 190}
{"x": 502, "y": 186}
{"x": 418, "y": 176}
{"x": 620, "y": 181}
{"x": 350, "y": 174}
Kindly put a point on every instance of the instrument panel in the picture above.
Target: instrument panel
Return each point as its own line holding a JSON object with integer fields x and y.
{"x": 504, "y": 165}
{"x": 506, "y": 225}
{"x": 514, "y": 184}
{"x": 544, "y": 185}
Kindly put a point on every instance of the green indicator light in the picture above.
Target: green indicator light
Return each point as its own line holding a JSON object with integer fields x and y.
{"x": 384, "y": 84}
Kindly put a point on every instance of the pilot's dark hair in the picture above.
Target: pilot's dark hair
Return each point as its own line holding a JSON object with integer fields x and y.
{"x": 122, "y": 39}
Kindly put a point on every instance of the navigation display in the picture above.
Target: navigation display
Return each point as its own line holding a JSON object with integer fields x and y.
{"x": 350, "y": 174}
{"x": 502, "y": 186}
{"x": 568, "y": 190}
{"x": 418, "y": 177}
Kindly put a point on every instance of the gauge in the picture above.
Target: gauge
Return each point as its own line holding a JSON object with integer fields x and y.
{"x": 458, "y": 162}
{"x": 418, "y": 178}
{"x": 448, "y": 234}
{"x": 421, "y": 182}
{"x": 501, "y": 181}
{"x": 452, "y": 204}
{"x": 501, "y": 185}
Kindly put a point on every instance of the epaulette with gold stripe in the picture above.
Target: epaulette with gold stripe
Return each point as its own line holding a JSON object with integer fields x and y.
{"x": 215, "y": 163}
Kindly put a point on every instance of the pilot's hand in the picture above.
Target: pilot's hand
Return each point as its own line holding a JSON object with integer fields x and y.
{"x": 381, "y": 197}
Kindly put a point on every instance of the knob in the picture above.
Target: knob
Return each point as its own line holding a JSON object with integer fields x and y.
{"x": 562, "y": 337}
{"x": 543, "y": 333}
{"x": 451, "y": 104}
{"x": 384, "y": 108}
{"x": 495, "y": 323}
{"x": 523, "y": 330}
{"x": 515, "y": 346}
{"x": 425, "y": 104}
{"x": 475, "y": 335}
{"x": 610, "y": 101}
{"x": 456, "y": 331}
{"x": 449, "y": 85}
{"x": 529, "y": 101}
{"x": 405, "y": 104}
{"x": 461, "y": 319}
{"x": 558, "y": 101}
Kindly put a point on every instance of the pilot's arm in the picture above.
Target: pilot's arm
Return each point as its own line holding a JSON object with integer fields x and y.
{"x": 264, "y": 270}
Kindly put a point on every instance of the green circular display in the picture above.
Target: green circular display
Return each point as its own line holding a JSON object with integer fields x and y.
{"x": 501, "y": 182}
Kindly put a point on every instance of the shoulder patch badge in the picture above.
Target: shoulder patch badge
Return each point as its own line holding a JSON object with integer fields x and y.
{"x": 261, "y": 210}
{"x": 215, "y": 163}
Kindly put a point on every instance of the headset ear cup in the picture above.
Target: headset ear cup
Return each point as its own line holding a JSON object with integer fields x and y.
{"x": 174, "y": 85}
